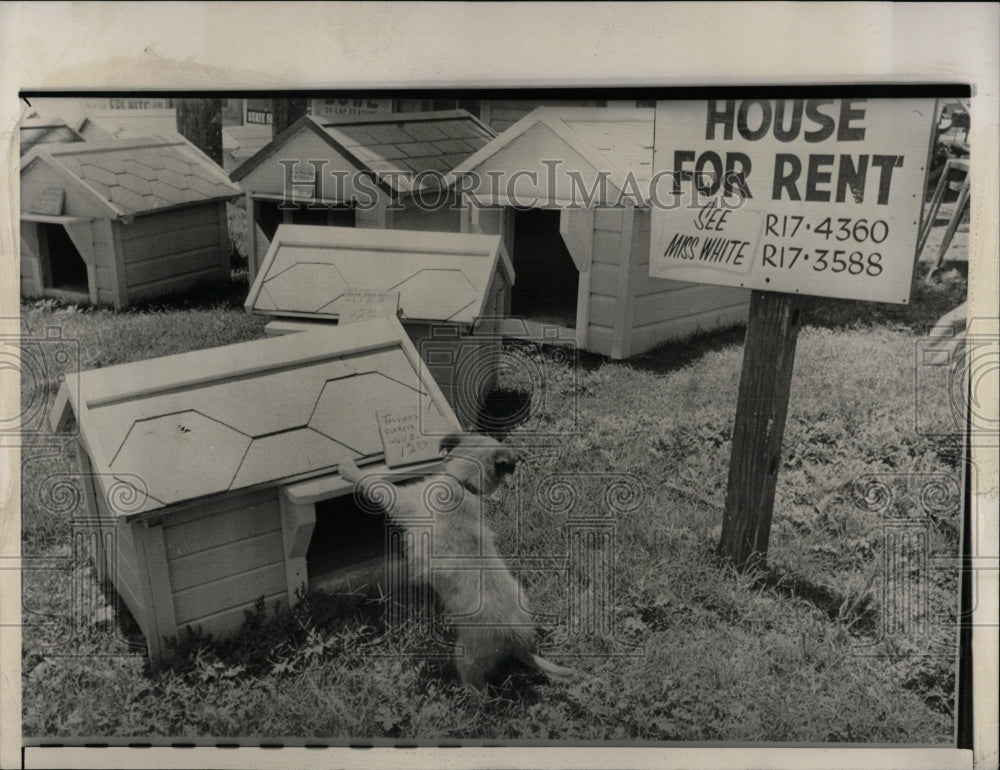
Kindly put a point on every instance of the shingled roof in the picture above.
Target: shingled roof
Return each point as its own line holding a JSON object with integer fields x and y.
{"x": 402, "y": 145}
{"x": 439, "y": 276}
{"x": 136, "y": 176}
{"x": 242, "y": 142}
{"x": 277, "y": 410}
{"x": 129, "y": 124}
{"x": 35, "y": 131}
{"x": 617, "y": 141}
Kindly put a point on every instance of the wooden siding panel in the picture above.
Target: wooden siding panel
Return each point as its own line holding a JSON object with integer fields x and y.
{"x": 443, "y": 219}
{"x": 161, "y": 616}
{"x": 576, "y": 227}
{"x": 363, "y": 217}
{"x": 306, "y": 145}
{"x": 227, "y": 621}
{"x": 693, "y": 300}
{"x": 139, "y": 274}
{"x": 120, "y": 287}
{"x": 168, "y": 222}
{"x": 212, "y": 524}
{"x": 127, "y": 578}
{"x": 31, "y": 266}
{"x": 608, "y": 219}
{"x": 128, "y": 558}
{"x": 104, "y": 246}
{"x": 224, "y": 561}
{"x": 152, "y": 245}
{"x": 602, "y": 311}
{"x": 236, "y": 591}
{"x": 105, "y": 277}
{"x": 176, "y": 284}
{"x": 78, "y": 201}
{"x": 604, "y": 279}
{"x": 648, "y": 286}
{"x": 599, "y": 339}
{"x": 621, "y": 345}
{"x": 607, "y": 247}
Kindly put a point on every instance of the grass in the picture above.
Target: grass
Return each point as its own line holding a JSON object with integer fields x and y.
{"x": 697, "y": 651}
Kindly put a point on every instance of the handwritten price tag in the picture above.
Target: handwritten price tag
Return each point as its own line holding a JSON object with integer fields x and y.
{"x": 403, "y": 441}
{"x": 365, "y": 304}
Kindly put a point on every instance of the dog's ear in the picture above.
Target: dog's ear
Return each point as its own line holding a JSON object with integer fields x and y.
{"x": 451, "y": 441}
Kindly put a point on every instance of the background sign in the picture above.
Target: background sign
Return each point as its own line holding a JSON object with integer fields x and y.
{"x": 349, "y": 108}
{"x": 816, "y": 196}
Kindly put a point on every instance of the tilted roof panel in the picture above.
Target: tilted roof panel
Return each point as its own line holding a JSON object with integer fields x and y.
{"x": 189, "y": 426}
{"x": 439, "y": 276}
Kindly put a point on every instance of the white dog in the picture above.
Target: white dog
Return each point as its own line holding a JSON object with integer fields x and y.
{"x": 494, "y": 626}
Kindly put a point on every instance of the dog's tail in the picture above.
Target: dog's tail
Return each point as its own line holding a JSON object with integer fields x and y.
{"x": 550, "y": 669}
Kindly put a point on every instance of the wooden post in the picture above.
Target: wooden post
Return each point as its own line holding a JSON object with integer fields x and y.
{"x": 768, "y": 358}
{"x": 200, "y": 122}
{"x": 284, "y": 112}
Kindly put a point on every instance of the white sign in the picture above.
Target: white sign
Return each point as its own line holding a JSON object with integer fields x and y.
{"x": 349, "y": 108}
{"x": 124, "y": 103}
{"x": 365, "y": 304}
{"x": 402, "y": 440}
{"x": 816, "y": 196}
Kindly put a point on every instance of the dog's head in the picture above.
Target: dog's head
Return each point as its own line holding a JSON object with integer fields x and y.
{"x": 479, "y": 462}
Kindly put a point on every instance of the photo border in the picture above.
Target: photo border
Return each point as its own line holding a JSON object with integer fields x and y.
{"x": 195, "y": 45}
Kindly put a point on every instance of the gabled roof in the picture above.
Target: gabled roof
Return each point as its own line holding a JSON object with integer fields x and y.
{"x": 136, "y": 176}
{"x": 439, "y": 276}
{"x": 131, "y": 124}
{"x": 618, "y": 141}
{"x": 34, "y": 131}
{"x": 401, "y": 145}
{"x": 244, "y": 141}
{"x": 250, "y": 415}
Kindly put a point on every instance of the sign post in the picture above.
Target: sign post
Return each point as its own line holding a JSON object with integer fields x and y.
{"x": 761, "y": 408}
{"x": 788, "y": 198}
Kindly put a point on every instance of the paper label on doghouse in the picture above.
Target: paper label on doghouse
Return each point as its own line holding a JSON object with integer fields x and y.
{"x": 403, "y": 441}
{"x": 365, "y": 304}
{"x": 50, "y": 202}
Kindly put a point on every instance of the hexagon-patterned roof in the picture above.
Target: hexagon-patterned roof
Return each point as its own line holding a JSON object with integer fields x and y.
{"x": 136, "y": 176}
{"x": 439, "y": 276}
{"x": 35, "y": 131}
{"x": 399, "y": 146}
{"x": 282, "y": 409}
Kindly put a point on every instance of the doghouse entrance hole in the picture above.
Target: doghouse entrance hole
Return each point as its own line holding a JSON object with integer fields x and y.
{"x": 547, "y": 279}
{"x": 348, "y": 546}
{"x": 337, "y": 216}
{"x": 66, "y": 269}
{"x": 269, "y": 216}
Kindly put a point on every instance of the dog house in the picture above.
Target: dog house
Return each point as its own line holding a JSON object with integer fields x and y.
{"x": 37, "y": 130}
{"x": 580, "y": 246}
{"x": 102, "y": 126}
{"x": 378, "y": 171}
{"x": 114, "y": 222}
{"x": 452, "y": 287}
{"x": 213, "y": 474}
